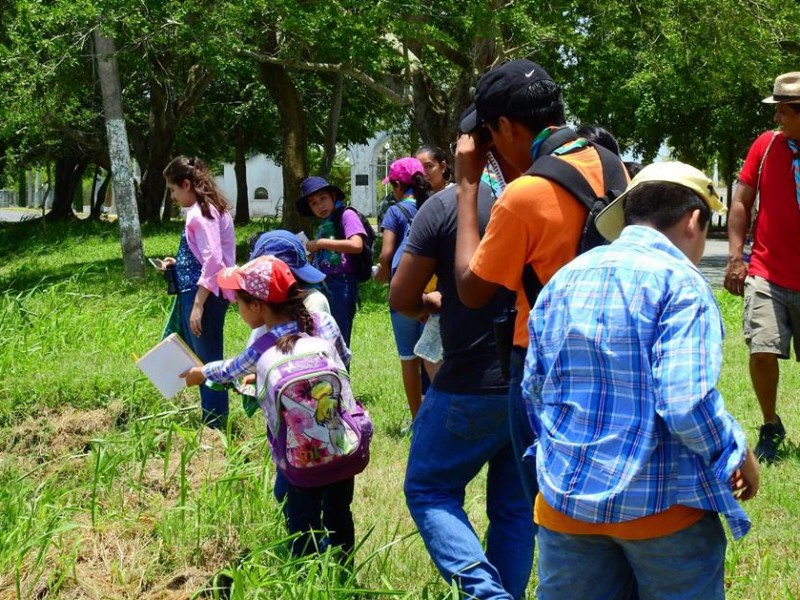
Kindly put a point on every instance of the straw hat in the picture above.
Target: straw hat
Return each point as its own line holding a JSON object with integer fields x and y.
{"x": 786, "y": 90}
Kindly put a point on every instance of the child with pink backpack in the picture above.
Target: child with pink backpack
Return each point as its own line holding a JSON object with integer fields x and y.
{"x": 319, "y": 434}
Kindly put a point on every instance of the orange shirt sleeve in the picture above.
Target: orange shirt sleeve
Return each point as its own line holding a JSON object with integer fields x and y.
{"x": 503, "y": 251}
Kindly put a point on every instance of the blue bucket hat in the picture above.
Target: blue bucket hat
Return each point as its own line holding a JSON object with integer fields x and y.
{"x": 285, "y": 246}
{"x": 311, "y": 185}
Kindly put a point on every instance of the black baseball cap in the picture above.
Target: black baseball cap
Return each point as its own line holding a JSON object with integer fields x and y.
{"x": 504, "y": 92}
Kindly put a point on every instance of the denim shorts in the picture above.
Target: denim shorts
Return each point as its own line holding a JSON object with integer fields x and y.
{"x": 406, "y": 334}
{"x": 429, "y": 346}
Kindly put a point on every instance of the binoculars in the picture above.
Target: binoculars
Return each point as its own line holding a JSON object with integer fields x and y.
{"x": 503, "y": 328}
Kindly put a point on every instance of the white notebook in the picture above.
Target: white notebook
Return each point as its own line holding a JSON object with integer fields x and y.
{"x": 164, "y": 363}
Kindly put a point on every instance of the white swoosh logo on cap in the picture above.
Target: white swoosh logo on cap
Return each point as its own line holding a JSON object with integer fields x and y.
{"x": 531, "y": 73}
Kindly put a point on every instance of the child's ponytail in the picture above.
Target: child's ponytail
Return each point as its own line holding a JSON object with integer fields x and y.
{"x": 421, "y": 188}
{"x": 295, "y": 310}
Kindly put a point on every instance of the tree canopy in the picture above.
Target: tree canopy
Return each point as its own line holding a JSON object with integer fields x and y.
{"x": 225, "y": 79}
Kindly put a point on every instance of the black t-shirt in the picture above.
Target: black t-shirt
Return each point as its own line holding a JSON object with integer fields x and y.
{"x": 470, "y": 358}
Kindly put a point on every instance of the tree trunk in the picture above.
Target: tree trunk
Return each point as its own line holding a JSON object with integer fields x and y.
{"x": 240, "y": 169}
{"x": 68, "y": 175}
{"x": 294, "y": 138}
{"x": 161, "y": 138}
{"x": 329, "y": 149}
{"x": 22, "y": 188}
{"x": 119, "y": 153}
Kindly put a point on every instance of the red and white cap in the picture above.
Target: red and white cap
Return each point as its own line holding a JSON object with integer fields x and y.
{"x": 266, "y": 278}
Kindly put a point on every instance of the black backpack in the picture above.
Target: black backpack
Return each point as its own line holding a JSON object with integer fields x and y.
{"x": 559, "y": 171}
{"x": 362, "y": 263}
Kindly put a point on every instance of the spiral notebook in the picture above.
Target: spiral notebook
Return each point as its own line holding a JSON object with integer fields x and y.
{"x": 164, "y": 363}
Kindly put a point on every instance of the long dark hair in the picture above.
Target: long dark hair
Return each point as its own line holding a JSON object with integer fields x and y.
{"x": 421, "y": 189}
{"x": 292, "y": 309}
{"x": 192, "y": 168}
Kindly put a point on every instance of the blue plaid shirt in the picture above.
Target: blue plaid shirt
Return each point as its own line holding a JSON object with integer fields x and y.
{"x": 225, "y": 371}
{"x": 620, "y": 382}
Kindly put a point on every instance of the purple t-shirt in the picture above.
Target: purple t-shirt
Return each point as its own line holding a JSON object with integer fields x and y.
{"x": 337, "y": 263}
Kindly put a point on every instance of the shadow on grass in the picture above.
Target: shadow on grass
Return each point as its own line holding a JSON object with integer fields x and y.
{"x": 789, "y": 450}
{"x": 31, "y": 235}
{"x": 35, "y": 237}
{"x": 102, "y": 275}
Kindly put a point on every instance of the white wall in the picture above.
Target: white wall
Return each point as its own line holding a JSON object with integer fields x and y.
{"x": 261, "y": 172}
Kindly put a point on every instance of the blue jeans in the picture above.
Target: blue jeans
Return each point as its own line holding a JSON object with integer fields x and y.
{"x": 280, "y": 490}
{"x": 686, "y": 564}
{"x": 208, "y": 347}
{"x": 308, "y": 510}
{"x": 342, "y": 294}
{"x": 522, "y": 437}
{"x": 455, "y": 435}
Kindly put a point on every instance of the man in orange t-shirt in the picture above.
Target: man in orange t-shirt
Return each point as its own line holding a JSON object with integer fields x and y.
{"x": 535, "y": 222}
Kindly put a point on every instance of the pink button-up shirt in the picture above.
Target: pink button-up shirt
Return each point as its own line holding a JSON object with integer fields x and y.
{"x": 213, "y": 243}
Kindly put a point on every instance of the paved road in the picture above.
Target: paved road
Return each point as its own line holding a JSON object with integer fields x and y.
{"x": 14, "y": 215}
{"x": 714, "y": 260}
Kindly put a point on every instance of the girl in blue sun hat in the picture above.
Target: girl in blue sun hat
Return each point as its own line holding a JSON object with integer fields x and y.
{"x": 340, "y": 238}
{"x": 286, "y": 246}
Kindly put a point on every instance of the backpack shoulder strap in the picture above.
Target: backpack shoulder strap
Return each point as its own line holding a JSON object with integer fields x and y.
{"x": 531, "y": 284}
{"x": 561, "y": 136}
{"x": 757, "y": 201}
{"x": 336, "y": 217}
{"x": 409, "y": 217}
{"x": 564, "y": 174}
{"x": 615, "y": 176}
{"x": 568, "y": 177}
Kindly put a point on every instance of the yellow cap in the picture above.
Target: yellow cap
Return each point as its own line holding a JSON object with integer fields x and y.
{"x": 611, "y": 219}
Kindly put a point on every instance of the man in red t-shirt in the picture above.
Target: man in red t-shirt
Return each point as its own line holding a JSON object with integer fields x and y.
{"x": 771, "y": 281}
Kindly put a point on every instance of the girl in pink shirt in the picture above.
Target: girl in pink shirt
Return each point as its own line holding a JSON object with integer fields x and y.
{"x": 207, "y": 246}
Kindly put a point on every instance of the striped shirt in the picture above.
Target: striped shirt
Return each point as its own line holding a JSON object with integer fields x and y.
{"x": 225, "y": 371}
{"x": 620, "y": 384}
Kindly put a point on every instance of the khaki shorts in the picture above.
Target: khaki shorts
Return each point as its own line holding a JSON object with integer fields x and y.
{"x": 771, "y": 318}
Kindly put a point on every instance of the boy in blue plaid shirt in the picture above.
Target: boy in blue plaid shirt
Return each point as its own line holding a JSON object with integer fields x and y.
{"x": 636, "y": 455}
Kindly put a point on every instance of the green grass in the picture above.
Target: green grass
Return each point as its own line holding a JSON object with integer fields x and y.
{"x": 108, "y": 491}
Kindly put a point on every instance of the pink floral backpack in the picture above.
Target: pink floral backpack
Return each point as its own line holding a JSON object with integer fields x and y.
{"x": 319, "y": 433}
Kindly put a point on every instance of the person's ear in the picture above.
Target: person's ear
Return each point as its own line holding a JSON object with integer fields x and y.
{"x": 693, "y": 227}
{"x": 186, "y": 184}
{"x": 505, "y": 127}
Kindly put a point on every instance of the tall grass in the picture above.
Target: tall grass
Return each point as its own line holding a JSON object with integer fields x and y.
{"x": 108, "y": 491}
